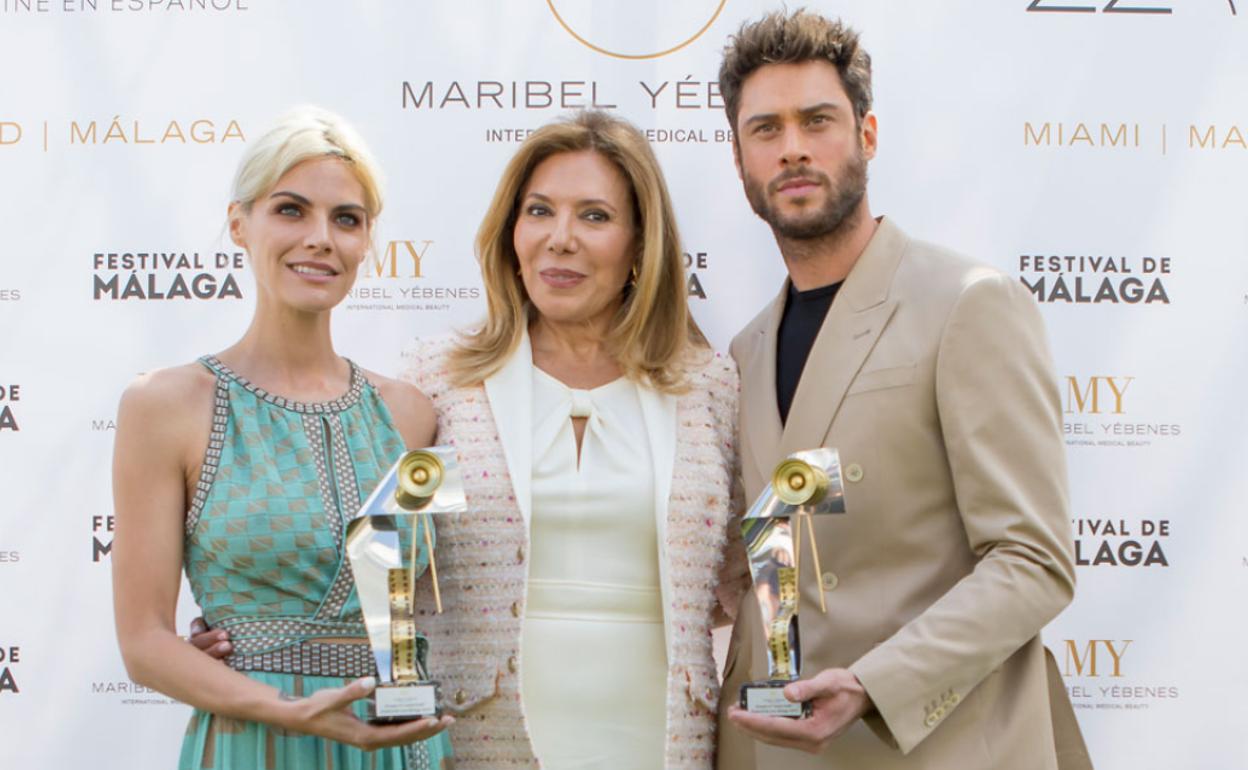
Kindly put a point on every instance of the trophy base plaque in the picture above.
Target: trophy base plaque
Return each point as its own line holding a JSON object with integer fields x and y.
{"x": 767, "y": 698}
{"x": 393, "y": 703}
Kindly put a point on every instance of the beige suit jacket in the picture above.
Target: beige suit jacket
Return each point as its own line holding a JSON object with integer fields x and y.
{"x": 932, "y": 377}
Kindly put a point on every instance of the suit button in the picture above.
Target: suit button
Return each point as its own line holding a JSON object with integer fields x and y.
{"x": 853, "y": 473}
{"x": 829, "y": 581}
{"x": 515, "y": 609}
{"x": 953, "y": 699}
{"x": 931, "y": 720}
{"x": 512, "y": 664}
{"x": 460, "y": 697}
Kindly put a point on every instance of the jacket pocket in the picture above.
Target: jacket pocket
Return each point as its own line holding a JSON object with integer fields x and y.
{"x": 879, "y": 379}
{"x": 465, "y": 690}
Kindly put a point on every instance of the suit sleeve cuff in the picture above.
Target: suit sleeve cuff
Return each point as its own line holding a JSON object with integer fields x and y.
{"x": 898, "y": 717}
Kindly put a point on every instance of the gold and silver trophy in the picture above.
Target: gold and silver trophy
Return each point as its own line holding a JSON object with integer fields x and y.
{"x": 385, "y": 542}
{"x": 805, "y": 484}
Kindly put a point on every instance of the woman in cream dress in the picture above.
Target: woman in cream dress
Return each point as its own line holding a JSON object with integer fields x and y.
{"x": 596, "y": 429}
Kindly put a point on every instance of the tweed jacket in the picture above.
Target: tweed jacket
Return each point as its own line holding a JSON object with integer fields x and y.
{"x": 482, "y": 554}
{"x": 932, "y": 377}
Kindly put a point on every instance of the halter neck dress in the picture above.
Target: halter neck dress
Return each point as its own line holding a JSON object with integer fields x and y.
{"x": 265, "y": 560}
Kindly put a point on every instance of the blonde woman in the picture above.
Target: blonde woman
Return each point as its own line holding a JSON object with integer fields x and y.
{"x": 246, "y": 465}
{"x": 597, "y": 432}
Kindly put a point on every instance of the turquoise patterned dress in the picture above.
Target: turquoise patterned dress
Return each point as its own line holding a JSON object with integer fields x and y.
{"x": 265, "y": 560}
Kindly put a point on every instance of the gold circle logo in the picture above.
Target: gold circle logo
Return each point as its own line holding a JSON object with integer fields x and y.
{"x": 419, "y": 476}
{"x": 623, "y": 55}
{"x": 797, "y": 482}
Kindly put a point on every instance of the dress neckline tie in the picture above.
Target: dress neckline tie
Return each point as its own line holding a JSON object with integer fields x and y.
{"x": 582, "y": 403}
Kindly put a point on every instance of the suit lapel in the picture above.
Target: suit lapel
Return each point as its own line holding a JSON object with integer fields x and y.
{"x": 760, "y": 417}
{"x": 659, "y": 412}
{"x": 849, "y": 332}
{"x": 510, "y": 393}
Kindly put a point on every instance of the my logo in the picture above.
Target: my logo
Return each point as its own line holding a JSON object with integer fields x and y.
{"x": 1096, "y": 394}
{"x": 1086, "y": 662}
{"x": 401, "y": 258}
{"x": 679, "y": 25}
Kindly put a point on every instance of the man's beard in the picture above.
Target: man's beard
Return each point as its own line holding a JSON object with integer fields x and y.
{"x": 842, "y": 199}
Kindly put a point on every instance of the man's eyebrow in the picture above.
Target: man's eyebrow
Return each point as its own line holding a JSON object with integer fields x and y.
{"x": 802, "y": 111}
{"x": 817, "y": 108}
{"x": 761, "y": 118}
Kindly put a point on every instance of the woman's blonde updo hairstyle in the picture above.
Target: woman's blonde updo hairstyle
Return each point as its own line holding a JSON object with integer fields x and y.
{"x": 303, "y": 134}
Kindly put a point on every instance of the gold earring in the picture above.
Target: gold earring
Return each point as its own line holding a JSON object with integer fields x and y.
{"x": 634, "y": 274}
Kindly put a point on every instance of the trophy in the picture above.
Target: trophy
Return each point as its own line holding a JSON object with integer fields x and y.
{"x": 383, "y": 545}
{"x": 806, "y": 483}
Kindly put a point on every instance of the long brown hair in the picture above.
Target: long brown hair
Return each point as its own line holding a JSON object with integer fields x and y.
{"x": 653, "y": 336}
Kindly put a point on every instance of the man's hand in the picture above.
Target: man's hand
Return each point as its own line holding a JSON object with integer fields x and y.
{"x": 215, "y": 643}
{"x": 837, "y": 700}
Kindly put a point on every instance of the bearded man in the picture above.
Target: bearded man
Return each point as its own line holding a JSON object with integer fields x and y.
{"x": 931, "y": 375}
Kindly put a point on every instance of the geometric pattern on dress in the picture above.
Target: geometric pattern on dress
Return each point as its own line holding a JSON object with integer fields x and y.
{"x": 212, "y": 456}
{"x": 255, "y": 635}
{"x": 340, "y": 404}
{"x": 264, "y": 536}
{"x": 262, "y": 555}
{"x": 348, "y": 505}
{"x": 315, "y": 426}
{"x": 311, "y": 659}
{"x": 417, "y": 756}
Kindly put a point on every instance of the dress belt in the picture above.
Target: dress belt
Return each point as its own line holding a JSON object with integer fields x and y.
{"x": 604, "y": 602}
{"x": 345, "y": 659}
{"x": 293, "y": 645}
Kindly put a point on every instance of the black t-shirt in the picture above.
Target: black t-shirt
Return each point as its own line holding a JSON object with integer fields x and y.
{"x": 804, "y": 312}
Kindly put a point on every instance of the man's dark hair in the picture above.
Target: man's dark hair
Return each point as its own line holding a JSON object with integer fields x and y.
{"x": 783, "y": 38}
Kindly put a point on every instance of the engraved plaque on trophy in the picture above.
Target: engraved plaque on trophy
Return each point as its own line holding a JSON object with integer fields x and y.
{"x": 384, "y": 544}
{"x": 805, "y": 484}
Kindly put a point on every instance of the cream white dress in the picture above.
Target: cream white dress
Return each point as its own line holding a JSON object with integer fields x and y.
{"x": 593, "y": 656}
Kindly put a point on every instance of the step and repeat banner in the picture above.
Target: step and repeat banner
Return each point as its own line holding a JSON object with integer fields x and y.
{"x": 1095, "y": 149}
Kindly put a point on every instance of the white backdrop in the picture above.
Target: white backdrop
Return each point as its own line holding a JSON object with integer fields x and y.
{"x": 1091, "y": 129}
